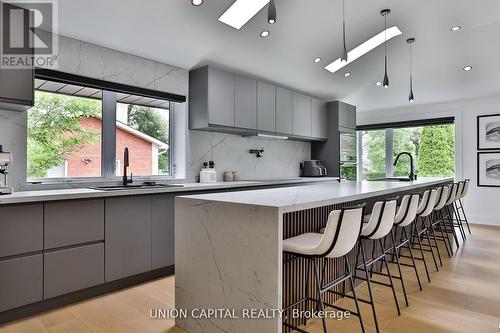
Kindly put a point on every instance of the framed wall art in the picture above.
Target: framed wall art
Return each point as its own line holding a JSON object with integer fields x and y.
{"x": 488, "y": 132}
{"x": 488, "y": 169}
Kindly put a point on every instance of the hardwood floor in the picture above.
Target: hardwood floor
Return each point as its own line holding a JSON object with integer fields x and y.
{"x": 464, "y": 296}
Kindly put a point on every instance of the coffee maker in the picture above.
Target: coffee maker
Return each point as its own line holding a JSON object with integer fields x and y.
{"x": 5, "y": 160}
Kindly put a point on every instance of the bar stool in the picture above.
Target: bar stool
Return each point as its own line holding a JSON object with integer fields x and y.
{"x": 341, "y": 234}
{"x": 461, "y": 195}
{"x": 425, "y": 208}
{"x": 445, "y": 212}
{"x": 438, "y": 223}
{"x": 455, "y": 222}
{"x": 377, "y": 226}
{"x": 405, "y": 216}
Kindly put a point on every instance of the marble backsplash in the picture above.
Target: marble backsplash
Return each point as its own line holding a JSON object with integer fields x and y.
{"x": 231, "y": 153}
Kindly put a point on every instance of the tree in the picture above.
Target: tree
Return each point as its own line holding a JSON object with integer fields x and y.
{"x": 374, "y": 148}
{"x": 55, "y": 132}
{"x": 149, "y": 122}
{"x": 437, "y": 151}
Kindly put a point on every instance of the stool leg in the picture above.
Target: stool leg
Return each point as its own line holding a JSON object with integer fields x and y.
{"x": 444, "y": 226}
{"x": 320, "y": 294}
{"x": 433, "y": 235}
{"x": 452, "y": 227}
{"x": 308, "y": 278}
{"x": 465, "y": 216}
{"x": 412, "y": 258}
{"x": 445, "y": 239}
{"x": 384, "y": 259}
{"x": 358, "y": 310}
{"x": 417, "y": 231}
{"x": 363, "y": 257}
{"x": 426, "y": 232}
{"x": 399, "y": 268}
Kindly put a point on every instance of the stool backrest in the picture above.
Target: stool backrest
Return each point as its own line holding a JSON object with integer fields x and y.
{"x": 452, "y": 194}
{"x": 442, "y": 196}
{"x": 407, "y": 210}
{"x": 460, "y": 190}
{"x": 381, "y": 219}
{"x": 427, "y": 203}
{"x": 466, "y": 188}
{"x": 342, "y": 232}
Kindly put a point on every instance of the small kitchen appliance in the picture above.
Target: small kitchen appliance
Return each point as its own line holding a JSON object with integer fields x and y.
{"x": 5, "y": 160}
{"x": 314, "y": 168}
{"x": 208, "y": 173}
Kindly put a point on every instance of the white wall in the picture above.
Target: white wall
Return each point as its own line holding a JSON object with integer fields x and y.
{"x": 482, "y": 203}
{"x": 191, "y": 148}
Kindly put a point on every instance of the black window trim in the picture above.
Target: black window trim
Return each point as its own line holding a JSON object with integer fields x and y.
{"x": 407, "y": 123}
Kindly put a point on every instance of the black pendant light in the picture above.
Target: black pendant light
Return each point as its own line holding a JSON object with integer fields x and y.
{"x": 344, "y": 49}
{"x": 271, "y": 12}
{"x": 411, "y": 98}
{"x": 385, "y": 82}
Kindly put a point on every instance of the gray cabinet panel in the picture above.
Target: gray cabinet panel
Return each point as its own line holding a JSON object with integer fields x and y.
{"x": 301, "y": 114}
{"x": 284, "y": 111}
{"x": 266, "y": 106}
{"x": 20, "y": 281}
{"x": 245, "y": 102}
{"x": 220, "y": 97}
{"x": 319, "y": 121}
{"x": 73, "y": 269}
{"x": 73, "y": 222}
{"x": 352, "y": 116}
{"x": 347, "y": 115}
{"x": 128, "y": 236}
{"x": 21, "y": 229}
{"x": 162, "y": 236}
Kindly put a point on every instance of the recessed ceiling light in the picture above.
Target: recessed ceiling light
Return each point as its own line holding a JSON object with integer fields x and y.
{"x": 378, "y": 83}
{"x": 241, "y": 11}
{"x": 316, "y": 60}
{"x": 455, "y": 28}
{"x": 264, "y": 33}
{"x": 364, "y": 48}
{"x": 347, "y": 74}
{"x": 196, "y": 2}
{"x": 467, "y": 68}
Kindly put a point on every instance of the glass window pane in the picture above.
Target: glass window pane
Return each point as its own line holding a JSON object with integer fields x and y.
{"x": 436, "y": 150}
{"x": 405, "y": 140}
{"x": 64, "y": 137}
{"x": 145, "y": 132}
{"x": 373, "y": 154}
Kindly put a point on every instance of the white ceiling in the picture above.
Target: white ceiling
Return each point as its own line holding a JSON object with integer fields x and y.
{"x": 177, "y": 33}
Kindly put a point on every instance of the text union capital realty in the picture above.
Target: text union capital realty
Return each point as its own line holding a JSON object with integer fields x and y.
{"x": 216, "y": 313}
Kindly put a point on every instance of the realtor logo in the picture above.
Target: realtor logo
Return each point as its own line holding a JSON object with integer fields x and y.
{"x": 28, "y": 34}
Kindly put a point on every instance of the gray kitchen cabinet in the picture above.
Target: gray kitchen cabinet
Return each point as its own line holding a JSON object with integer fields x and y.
{"x": 20, "y": 281}
{"x": 21, "y": 229}
{"x": 211, "y": 98}
{"x": 17, "y": 85}
{"x": 266, "y": 107}
{"x": 347, "y": 115}
{"x": 245, "y": 102}
{"x": 73, "y": 222}
{"x": 73, "y": 269}
{"x": 318, "y": 118}
{"x": 351, "y": 116}
{"x": 162, "y": 235}
{"x": 284, "y": 110}
{"x": 128, "y": 236}
{"x": 301, "y": 114}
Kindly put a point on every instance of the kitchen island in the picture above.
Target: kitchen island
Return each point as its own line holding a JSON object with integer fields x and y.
{"x": 228, "y": 250}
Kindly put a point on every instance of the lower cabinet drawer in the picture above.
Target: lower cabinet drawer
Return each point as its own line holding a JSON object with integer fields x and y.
{"x": 20, "y": 281}
{"x": 73, "y": 269}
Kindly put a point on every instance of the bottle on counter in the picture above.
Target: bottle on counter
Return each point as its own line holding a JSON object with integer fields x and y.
{"x": 208, "y": 173}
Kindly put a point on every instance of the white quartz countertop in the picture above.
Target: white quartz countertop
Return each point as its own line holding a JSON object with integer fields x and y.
{"x": 81, "y": 193}
{"x": 308, "y": 196}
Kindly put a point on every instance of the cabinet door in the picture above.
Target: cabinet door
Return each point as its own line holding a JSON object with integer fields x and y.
{"x": 73, "y": 269}
{"x": 73, "y": 222}
{"x": 343, "y": 115}
{"x": 284, "y": 111}
{"x": 319, "y": 121}
{"x": 352, "y": 116}
{"x": 162, "y": 224}
{"x": 245, "y": 102}
{"x": 17, "y": 86}
{"x": 128, "y": 236}
{"x": 301, "y": 114}
{"x": 21, "y": 229}
{"x": 20, "y": 281}
{"x": 220, "y": 97}
{"x": 266, "y": 106}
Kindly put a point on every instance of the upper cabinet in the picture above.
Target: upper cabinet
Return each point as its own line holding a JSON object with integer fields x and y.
{"x": 302, "y": 115}
{"x": 266, "y": 107}
{"x": 223, "y": 101}
{"x": 347, "y": 115}
{"x": 16, "y": 84}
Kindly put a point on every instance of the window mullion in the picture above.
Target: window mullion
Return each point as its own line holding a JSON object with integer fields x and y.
{"x": 389, "y": 152}
{"x": 108, "y": 151}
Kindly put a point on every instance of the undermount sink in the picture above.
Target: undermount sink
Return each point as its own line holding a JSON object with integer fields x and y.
{"x": 393, "y": 179}
{"x": 134, "y": 187}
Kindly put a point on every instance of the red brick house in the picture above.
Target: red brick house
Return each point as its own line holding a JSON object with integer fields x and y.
{"x": 144, "y": 151}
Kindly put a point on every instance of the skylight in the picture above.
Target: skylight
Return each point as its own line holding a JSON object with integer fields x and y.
{"x": 241, "y": 11}
{"x": 364, "y": 48}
